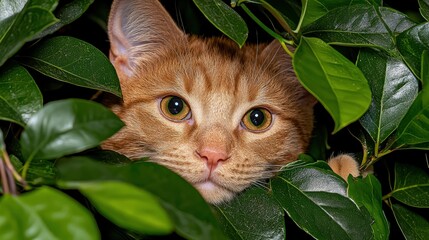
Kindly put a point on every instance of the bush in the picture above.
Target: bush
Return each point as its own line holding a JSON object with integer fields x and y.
{"x": 367, "y": 64}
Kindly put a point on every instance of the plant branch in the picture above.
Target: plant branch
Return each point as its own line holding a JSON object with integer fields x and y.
{"x": 11, "y": 181}
{"x": 26, "y": 167}
{"x": 277, "y": 15}
{"x": 277, "y": 36}
{"x": 4, "y": 178}
{"x": 387, "y": 196}
{"x": 12, "y": 170}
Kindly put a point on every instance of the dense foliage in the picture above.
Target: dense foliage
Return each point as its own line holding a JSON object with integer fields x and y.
{"x": 366, "y": 63}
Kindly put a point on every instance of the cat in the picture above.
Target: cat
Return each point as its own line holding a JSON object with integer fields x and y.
{"x": 222, "y": 117}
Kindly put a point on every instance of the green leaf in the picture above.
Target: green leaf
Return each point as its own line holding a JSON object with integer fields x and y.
{"x": 366, "y": 192}
{"x": 73, "y": 61}
{"x": 319, "y": 141}
{"x": 422, "y": 146}
{"x": 225, "y": 19}
{"x": 411, "y": 185}
{"x": 393, "y": 88}
{"x": 412, "y": 43}
{"x": 20, "y": 97}
{"x": 45, "y": 214}
{"x": 107, "y": 156}
{"x": 127, "y": 206}
{"x": 190, "y": 214}
{"x": 41, "y": 172}
{"x": 315, "y": 199}
{"x": 412, "y": 225}
{"x": 66, "y": 14}
{"x": 314, "y": 9}
{"x": 66, "y": 127}
{"x": 241, "y": 219}
{"x": 369, "y": 26}
{"x": 336, "y": 82}
{"x": 424, "y": 8}
{"x": 20, "y": 21}
{"x": 414, "y": 127}
{"x": 284, "y": 11}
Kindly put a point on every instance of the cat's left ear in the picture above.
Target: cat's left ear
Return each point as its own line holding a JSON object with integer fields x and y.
{"x": 139, "y": 30}
{"x": 275, "y": 55}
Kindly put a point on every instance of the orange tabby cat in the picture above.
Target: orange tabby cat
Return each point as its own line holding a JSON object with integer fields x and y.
{"x": 222, "y": 117}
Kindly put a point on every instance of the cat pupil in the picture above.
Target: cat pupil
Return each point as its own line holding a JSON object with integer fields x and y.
{"x": 257, "y": 117}
{"x": 175, "y": 105}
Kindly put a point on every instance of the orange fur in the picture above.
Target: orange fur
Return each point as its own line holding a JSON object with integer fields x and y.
{"x": 220, "y": 82}
{"x": 344, "y": 165}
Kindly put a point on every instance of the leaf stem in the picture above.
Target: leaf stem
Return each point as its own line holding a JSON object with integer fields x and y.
{"x": 364, "y": 157}
{"x": 4, "y": 178}
{"x": 263, "y": 26}
{"x": 385, "y": 197}
{"x": 289, "y": 52}
{"x": 12, "y": 170}
{"x": 385, "y": 152}
{"x": 376, "y": 148}
{"x": 27, "y": 166}
{"x": 276, "y": 14}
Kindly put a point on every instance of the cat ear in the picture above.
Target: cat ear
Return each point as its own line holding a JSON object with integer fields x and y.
{"x": 275, "y": 55}
{"x": 138, "y": 30}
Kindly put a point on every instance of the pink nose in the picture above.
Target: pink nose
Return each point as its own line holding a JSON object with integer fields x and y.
{"x": 213, "y": 156}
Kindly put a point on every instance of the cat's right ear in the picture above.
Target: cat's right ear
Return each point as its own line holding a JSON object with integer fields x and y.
{"x": 138, "y": 30}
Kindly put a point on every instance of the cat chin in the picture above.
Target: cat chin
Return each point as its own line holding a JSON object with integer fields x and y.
{"x": 214, "y": 193}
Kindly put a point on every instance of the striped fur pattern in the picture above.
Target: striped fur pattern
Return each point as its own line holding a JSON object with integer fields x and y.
{"x": 220, "y": 83}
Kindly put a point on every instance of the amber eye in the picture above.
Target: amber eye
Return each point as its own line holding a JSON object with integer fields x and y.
{"x": 257, "y": 119}
{"x": 174, "y": 108}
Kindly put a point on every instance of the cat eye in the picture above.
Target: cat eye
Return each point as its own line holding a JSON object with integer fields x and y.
{"x": 174, "y": 108}
{"x": 257, "y": 120}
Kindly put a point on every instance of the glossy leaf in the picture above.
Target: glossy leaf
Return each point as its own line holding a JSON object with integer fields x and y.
{"x": 369, "y": 26}
{"x": 424, "y": 8}
{"x": 66, "y": 127}
{"x": 252, "y": 215}
{"x": 284, "y": 11}
{"x": 393, "y": 88}
{"x": 45, "y": 213}
{"x": 20, "y": 97}
{"x": 107, "y": 156}
{"x": 412, "y": 225}
{"x": 414, "y": 127}
{"x": 190, "y": 214}
{"x": 225, "y": 19}
{"x": 315, "y": 9}
{"x": 319, "y": 141}
{"x": 411, "y": 185}
{"x": 41, "y": 172}
{"x": 66, "y": 14}
{"x": 20, "y": 21}
{"x": 411, "y": 45}
{"x": 73, "y": 61}
{"x": 127, "y": 206}
{"x": 366, "y": 192}
{"x": 336, "y": 82}
{"x": 315, "y": 199}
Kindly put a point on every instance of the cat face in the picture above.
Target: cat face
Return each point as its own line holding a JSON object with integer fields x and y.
{"x": 222, "y": 117}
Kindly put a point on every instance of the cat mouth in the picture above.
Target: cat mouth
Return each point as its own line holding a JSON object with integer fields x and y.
{"x": 209, "y": 185}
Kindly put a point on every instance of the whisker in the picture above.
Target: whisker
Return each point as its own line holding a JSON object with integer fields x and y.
{"x": 179, "y": 17}
{"x": 261, "y": 185}
{"x": 265, "y": 64}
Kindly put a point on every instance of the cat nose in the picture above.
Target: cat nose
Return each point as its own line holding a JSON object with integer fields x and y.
{"x": 213, "y": 156}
